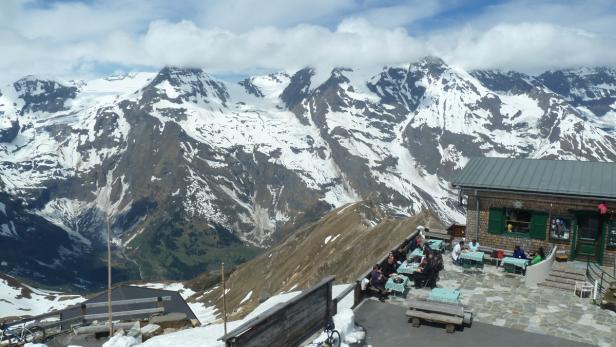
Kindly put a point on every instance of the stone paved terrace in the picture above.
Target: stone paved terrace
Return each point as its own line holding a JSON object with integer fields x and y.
{"x": 502, "y": 299}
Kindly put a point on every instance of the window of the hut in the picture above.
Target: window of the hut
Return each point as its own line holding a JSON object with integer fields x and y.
{"x": 517, "y": 221}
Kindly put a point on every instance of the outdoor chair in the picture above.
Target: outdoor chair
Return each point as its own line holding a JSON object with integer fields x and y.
{"x": 583, "y": 289}
{"x": 429, "y": 281}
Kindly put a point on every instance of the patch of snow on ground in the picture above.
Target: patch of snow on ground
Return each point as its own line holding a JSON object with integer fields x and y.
{"x": 345, "y": 207}
{"x": 12, "y": 303}
{"x": 207, "y": 336}
{"x": 344, "y": 320}
{"x": 246, "y": 298}
{"x": 205, "y": 314}
{"x": 121, "y": 341}
{"x": 327, "y": 239}
{"x": 174, "y": 286}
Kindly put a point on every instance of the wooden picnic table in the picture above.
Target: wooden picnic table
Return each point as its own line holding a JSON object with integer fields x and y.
{"x": 510, "y": 265}
{"x": 470, "y": 259}
{"x": 439, "y": 312}
{"x": 397, "y": 287}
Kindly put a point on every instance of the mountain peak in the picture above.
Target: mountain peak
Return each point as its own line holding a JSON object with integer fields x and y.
{"x": 178, "y": 84}
{"x": 431, "y": 60}
{"x": 43, "y": 95}
{"x": 298, "y": 88}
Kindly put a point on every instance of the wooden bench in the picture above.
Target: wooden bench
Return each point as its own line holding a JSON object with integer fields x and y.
{"x": 451, "y": 315}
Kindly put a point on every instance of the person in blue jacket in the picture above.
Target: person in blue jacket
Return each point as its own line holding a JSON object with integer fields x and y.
{"x": 518, "y": 252}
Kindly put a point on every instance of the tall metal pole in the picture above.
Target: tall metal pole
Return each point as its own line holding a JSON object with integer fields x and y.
{"x": 109, "y": 278}
{"x": 224, "y": 298}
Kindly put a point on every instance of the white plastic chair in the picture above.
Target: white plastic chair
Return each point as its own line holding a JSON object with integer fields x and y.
{"x": 583, "y": 287}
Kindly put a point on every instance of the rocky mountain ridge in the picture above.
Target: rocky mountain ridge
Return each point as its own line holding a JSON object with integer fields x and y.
{"x": 192, "y": 170}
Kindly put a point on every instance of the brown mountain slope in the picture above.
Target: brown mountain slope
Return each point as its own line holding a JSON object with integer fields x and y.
{"x": 357, "y": 235}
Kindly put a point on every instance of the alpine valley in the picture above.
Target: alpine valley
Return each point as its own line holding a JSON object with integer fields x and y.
{"x": 190, "y": 170}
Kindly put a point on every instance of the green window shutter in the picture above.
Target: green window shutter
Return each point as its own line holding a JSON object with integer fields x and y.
{"x": 538, "y": 225}
{"x": 496, "y": 221}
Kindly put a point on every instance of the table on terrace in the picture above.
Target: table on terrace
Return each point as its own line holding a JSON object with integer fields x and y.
{"x": 472, "y": 259}
{"x": 435, "y": 244}
{"x": 407, "y": 268}
{"x": 416, "y": 253}
{"x": 515, "y": 265}
{"x": 450, "y": 296}
{"x": 397, "y": 287}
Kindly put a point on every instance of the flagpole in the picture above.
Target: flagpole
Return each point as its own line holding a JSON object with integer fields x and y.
{"x": 224, "y": 298}
{"x": 109, "y": 278}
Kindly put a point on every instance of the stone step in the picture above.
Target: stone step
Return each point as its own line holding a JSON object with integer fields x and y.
{"x": 556, "y": 285}
{"x": 563, "y": 280}
{"x": 569, "y": 275}
{"x": 568, "y": 269}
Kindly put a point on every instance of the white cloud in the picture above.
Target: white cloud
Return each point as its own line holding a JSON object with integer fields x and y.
{"x": 529, "y": 47}
{"x": 67, "y": 39}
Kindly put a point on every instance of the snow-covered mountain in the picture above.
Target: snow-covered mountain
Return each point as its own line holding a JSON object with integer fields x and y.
{"x": 19, "y": 300}
{"x": 193, "y": 170}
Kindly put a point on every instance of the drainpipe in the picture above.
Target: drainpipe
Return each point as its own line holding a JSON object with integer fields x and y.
{"x": 477, "y": 220}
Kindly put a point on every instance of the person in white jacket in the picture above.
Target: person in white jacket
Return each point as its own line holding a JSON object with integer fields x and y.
{"x": 457, "y": 251}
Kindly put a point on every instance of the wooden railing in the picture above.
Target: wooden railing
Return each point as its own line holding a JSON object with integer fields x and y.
{"x": 595, "y": 274}
{"x": 288, "y": 324}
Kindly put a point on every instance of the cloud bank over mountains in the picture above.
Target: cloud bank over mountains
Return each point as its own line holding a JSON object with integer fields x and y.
{"x": 69, "y": 39}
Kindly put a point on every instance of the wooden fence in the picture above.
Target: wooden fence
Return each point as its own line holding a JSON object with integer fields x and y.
{"x": 288, "y": 324}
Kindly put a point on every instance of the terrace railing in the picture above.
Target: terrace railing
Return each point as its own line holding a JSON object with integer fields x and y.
{"x": 596, "y": 274}
{"x": 359, "y": 294}
{"x": 288, "y": 324}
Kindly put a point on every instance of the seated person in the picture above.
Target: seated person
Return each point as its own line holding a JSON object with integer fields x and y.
{"x": 389, "y": 266}
{"x": 412, "y": 244}
{"x": 457, "y": 251}
{"x": 538, "y": 256}
{"x": 425, "y": 271}
{"x": 473, "y": 246}
{"x": 377, "y": 280}
{"x": 518, "y": 252}
{"x": 400, "y": 254}
{"x": 422, "y": 240}
{"x": 426, "y": 249}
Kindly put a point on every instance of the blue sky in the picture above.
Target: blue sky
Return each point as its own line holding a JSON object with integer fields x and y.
{"x": 91, "y": 38}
